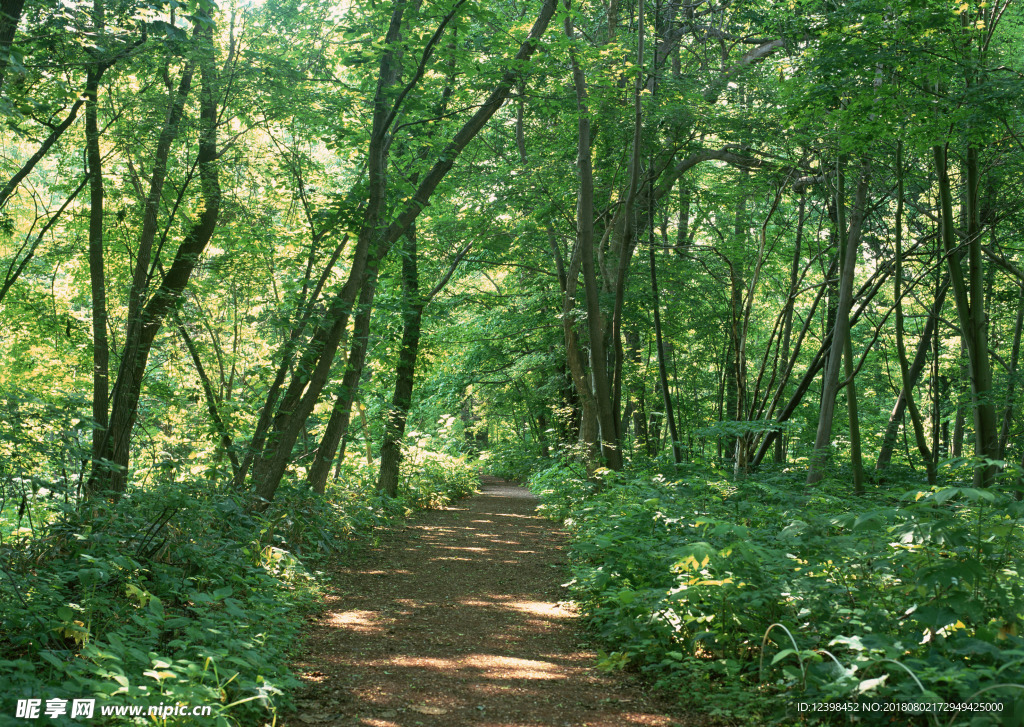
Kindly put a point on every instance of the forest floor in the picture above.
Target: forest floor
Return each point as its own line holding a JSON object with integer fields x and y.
{"x": 457, "y": 618}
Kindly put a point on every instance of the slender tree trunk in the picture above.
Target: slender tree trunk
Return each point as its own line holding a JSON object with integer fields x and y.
{"x": 841, "y": 330}
{"x": 1004, "y": 432}
{"x": 856, "y": 458}
{"x": 745, "y": 441}
{"x": 683, "y": 226}
{"x": 49, "y": 141}
{"x": 728, "y": 385}
{"x": 654, "y": 423}
{"x": 901, "y": 348}
{"x": 146, "y": 318}
{"x": 584, "y": 399}
{"x": 394, "y": 429}
{"x": 374, "y": 241}
{"x": 341, "y": 413}
{"x": 628, "y": 415}
{"x": 865, "y": 295}
{"x": 97, "y": 275}
{"x": 913, "y": 374}
{"x": 970, "y": 305}
{"x": 625, "y": 230}
{"x": 737, "y": 337}
{"x": 112, "y": 473}
{"x": 212, "y": 402}
{"x": 603, "y": 411}
{"x": 959, "y": 419}
{"x": 787, "y": 323}
{"x": 940, "y": 429}
{"x": 16, "y": 267}
{"x": 662, "y": 367}
{"x": 286, "y": 356}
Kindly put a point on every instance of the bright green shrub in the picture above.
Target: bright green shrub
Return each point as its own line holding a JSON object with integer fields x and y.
{"x": 684, "y": 579}
{"x": 431, "y": 480}
{"x": 166, "y": 596}
{"x": 182, "y": 594}
{"x": 512, "y": 461}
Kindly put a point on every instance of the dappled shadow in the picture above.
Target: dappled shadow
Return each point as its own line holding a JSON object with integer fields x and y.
{"x": 457, "y": 619}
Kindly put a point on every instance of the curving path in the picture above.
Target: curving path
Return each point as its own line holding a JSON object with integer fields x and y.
{"x": 456, "y": 620}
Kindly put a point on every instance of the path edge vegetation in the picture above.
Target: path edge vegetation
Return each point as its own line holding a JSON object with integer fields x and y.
{"x": 192, "y": 598}
{"x": 742, "y": 598}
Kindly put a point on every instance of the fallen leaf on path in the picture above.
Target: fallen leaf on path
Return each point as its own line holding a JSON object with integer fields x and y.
{"x": 424, "y": 709}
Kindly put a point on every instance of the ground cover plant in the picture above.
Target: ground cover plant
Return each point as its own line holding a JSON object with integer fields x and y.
{"x": 764, "y": 595}
{"x": 181, "y": 594}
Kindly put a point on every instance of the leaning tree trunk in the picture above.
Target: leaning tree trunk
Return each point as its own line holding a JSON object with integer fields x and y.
{"x": 787, "y": 324}
{"x": 394, "y": 430}
{"x": 341, "y": 413}
{"x": 146, "y": 317}
{"x": 914, "y": 372}
{"x": 213, "y": 402}
{"x": 373, "y": 242}
{"x": 841, "y": 329}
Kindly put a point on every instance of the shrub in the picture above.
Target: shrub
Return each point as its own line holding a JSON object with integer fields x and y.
{"x": 512, "y": 461}
{"x": 179, "y": 594}
{"x": 903, "y": 598}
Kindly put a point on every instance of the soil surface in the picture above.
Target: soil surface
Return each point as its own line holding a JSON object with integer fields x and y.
{"x": 458, "y": 619}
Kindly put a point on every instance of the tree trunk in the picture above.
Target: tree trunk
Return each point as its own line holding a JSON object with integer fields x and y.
{"x": 1004, "y": 432}
{"x": 600, "y": 384}
{"x": 787, "y": 323}
{"x": 146, "y": 318}
{"x": 901, "y": 348}
{"x": 49, "y": 141}
{"x": 970, "y": 305}
{"x": 841, "y": 330}
{"x": 737, "y": 337}
{"x": 10, "y": 16}
{"x": 97, "y": 275}
{"x": 662, "y": 367}
{"x": 394, "y": 430}
{"x": 212, "y": 403}
{"x": 341, "y": 413}
{"x": 372, "y": 244}
{"x": 913, "y": 374}
{"x": 865, "y": 295}
{"x": 856, "y": 459}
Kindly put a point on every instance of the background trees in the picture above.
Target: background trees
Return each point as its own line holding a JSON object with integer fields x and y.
{"x": 750, "y": 152}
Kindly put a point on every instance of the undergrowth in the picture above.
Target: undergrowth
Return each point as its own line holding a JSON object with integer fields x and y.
{"x": 512, "y": 461}
{"x": 180, "y": 593}
{"x": 757, "y": 595}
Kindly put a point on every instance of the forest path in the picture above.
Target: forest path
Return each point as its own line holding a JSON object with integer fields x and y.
{"x": 455, "y": 619}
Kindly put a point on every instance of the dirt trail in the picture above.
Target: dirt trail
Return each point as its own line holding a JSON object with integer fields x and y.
{"x": 455, "y": 620}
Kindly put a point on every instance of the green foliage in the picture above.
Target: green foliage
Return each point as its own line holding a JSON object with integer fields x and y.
{"x": 769, "y": 594}
{"x": 510, "y": 460}
{"x": 432, "y": 481}
{"x": 167, "y": 596}
{"x": 182, "y": 595}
